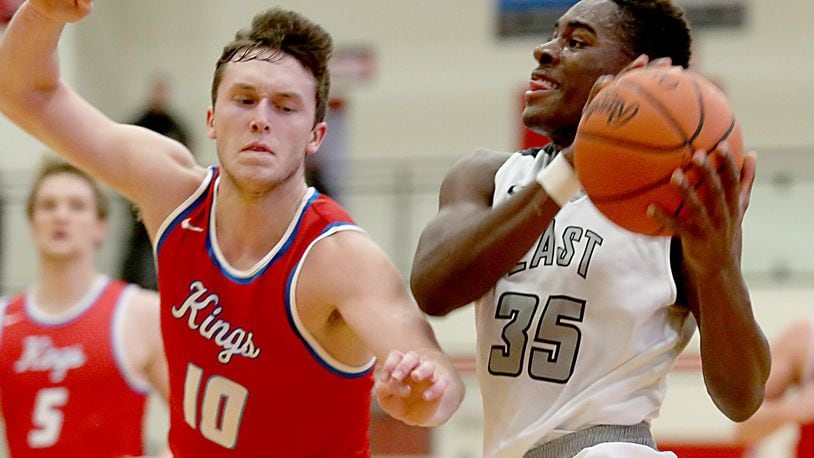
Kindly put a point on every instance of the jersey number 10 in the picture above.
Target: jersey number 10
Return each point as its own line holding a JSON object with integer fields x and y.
{"x": 222, "y": 406}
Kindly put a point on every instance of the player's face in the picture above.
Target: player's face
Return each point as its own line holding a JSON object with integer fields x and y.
{"x": 65, "y": 223}
{"x": 263, "y": 122}
{"x": 586, "y": 44}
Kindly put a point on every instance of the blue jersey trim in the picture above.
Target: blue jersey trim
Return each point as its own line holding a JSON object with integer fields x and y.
{"x": 181, "y": 216}
{"x": 293, "y": 325}
{"x": 283, "y": 249}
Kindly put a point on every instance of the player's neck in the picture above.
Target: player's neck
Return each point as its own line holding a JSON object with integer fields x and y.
{"x": 248, "y": 226}
{"x": 63, "y": 283}
{"x": 563, "y": 138}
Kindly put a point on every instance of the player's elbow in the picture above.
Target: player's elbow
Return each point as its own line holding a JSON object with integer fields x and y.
{"x": 427, "y": 297}
{"x": 739, "y": 405}
{"x": 433, "y": 295}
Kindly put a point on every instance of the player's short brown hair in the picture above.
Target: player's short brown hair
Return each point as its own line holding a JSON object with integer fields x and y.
{"x": 52, "y": 167}
{"x": 275, "y": 32}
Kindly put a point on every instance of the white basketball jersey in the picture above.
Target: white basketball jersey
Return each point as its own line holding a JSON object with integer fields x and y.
{"x": 581, "y": 332}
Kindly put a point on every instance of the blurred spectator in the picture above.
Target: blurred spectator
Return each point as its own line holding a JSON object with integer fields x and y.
{"x": 138, "y": 265}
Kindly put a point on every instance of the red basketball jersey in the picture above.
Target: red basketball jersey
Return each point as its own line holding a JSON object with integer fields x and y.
{"x": 805, "y": 443}
{"x": 63, "y": 391}
{"x": 246, "y": 377}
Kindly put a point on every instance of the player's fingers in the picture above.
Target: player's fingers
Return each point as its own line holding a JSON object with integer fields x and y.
{"x": 666, "y": 221}
{"x": 393, "y": 387}
{"x": 664, "y": 62}
{"x": 747, "y": 179}
{"x": 639, "y": 62}
{"x": 717, "y": 200}
{"x": 390, "y": 364}
{"x": 407, "y": 364}
{"x": 691, "y": 202}
{"x": 425, "y": 371}
{"x": 729, "y": 176}
{"x": 600, "y": 84}
{"x": 436, "y": 389}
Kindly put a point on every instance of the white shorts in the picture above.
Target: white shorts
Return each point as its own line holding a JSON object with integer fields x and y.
{"x": 622, "y": 449}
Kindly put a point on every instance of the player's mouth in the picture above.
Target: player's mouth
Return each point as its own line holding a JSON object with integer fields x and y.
{"x": 540, "y": 82}
{"x": 257, "y": 148}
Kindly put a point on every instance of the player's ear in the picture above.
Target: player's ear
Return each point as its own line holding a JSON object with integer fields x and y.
{"x": 210, "y": 122}
{"x": 317, "y": 136}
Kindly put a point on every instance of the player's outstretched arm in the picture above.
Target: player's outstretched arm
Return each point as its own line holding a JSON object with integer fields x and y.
{"x": 713, "y": 284}
{"x": 416, "y": 381}
{"x": 142, "y": 165}
{"x": 469, "y": 245}
{"x": 416, "y": 390}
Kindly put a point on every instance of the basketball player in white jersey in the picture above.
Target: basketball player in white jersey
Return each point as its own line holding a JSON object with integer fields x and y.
{"x": 578, "y": 321}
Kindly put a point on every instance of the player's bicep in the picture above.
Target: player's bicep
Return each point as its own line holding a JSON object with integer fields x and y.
{"x": 132, "y": 160}
{"x": 370, "y": 295}
{"x": 466, "y": 192}
{"x": 471, "y": 180}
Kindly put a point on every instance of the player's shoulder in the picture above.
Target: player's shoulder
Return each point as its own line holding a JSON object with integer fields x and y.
{"x": 482, "y": 159}
{"x": 189, "y": 182}
{"x": 329, "y": 211}
{"x": 473, "y": 175}
{"x": 141, "y": 301}
{"x": 342, "y": 244}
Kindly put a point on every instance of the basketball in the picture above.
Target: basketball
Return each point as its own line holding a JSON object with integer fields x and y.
{"x": 638, "y": 130}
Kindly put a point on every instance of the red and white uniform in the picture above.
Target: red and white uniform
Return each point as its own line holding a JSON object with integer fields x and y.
{"x": 805, "y": 442}
{"x": 63, "y": 388}
{"x": 246, "y": 377}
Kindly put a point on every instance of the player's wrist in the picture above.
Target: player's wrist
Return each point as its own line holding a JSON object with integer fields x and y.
{"x": 559, "y": 180}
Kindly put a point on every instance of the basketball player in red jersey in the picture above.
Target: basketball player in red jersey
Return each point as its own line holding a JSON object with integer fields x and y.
{"x": 78, "y": 351}
{"x": 274, "y": 304}
{"x": 789, "y": 391}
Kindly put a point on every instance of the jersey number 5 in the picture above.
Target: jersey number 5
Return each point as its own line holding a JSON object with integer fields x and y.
{"x": 47, "y": 417}
{"x": 558, "y": 338}
{"x": 221, "y": 408}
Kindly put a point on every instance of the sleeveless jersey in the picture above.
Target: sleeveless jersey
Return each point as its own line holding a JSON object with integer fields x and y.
{"x": 805, "y": 442}
{"x": 63, "y": 389}
{"x": 246, "y": 377}
{"x": 581, "y": 332}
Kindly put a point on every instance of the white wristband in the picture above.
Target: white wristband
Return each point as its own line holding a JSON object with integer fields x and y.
{"x": 559, "y": 180}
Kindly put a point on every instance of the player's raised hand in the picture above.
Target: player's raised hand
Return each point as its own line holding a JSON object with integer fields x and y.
{"x": 417, "y": 391}
{"x": 63, "y": 10}
{"x": 711, "y": 233}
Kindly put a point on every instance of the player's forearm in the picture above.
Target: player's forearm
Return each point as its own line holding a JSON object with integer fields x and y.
{"x": 732, "y": 343}
{"x": 456, "y": 265}
{"x": 28, "y": 57}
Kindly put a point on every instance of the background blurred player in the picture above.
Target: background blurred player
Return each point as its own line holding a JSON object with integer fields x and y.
{"x": 274, "y": 302}
{"x": 579, "y": 322}
{"x": 78, "y": 351}
{"x": 789, "y": 391}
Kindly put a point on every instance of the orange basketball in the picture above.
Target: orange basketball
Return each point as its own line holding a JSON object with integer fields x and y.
{"x": 638, "y": 130}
